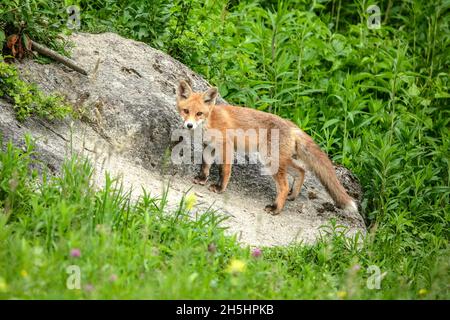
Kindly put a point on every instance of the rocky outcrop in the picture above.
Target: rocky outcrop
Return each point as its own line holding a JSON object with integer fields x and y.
{"x": 128, "y": 114}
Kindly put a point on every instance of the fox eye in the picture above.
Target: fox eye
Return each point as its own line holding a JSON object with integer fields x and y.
{"x": 199, "y": 113}
{"x": 186, "y": 111}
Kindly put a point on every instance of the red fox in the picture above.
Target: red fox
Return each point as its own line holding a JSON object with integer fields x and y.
{"x": 297, "y": 150}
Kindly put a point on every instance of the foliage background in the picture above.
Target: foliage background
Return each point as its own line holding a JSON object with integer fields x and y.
{"x": 377, "y": 100}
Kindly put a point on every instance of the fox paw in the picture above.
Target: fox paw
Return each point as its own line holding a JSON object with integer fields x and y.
{"x": 216, "y": 188}
{"x": 272, "y": 209}
{"x": 291, "y": 197}
{"x": 200, "y": 180}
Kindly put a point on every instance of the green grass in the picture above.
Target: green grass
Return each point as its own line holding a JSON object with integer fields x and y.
{"x": 142, "y": 250}
{"x": 376, "y": 100}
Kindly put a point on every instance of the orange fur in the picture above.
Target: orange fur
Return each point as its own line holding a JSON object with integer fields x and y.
{"x": 295, "y": 146}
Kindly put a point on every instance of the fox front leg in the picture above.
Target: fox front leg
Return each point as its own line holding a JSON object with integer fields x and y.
{"x": 202, "y": 178}
{"x": 207, "y": 160}
{"x": 225, "y": 172}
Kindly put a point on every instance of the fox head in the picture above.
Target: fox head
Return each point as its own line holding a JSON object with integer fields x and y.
{"x": 195, "y": 107}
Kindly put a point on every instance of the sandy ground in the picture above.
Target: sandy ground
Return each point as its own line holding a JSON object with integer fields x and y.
{"x": 246, "y": 217}
{"x": 302, "y": 220}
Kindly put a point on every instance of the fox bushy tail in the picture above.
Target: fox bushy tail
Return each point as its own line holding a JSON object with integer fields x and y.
{"x": 321, "y": 165}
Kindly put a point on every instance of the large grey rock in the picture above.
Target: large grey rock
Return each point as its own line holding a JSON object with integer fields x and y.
{"x": 128, "y": 106}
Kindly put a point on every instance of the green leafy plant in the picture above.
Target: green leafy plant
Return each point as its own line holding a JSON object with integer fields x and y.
{"x": 42, "y": 21}
{"x": 27, "y": 99}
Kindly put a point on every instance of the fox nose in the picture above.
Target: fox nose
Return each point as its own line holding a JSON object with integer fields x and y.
{"x": 189, "y": 125}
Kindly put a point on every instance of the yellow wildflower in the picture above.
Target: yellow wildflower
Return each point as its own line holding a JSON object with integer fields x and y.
{"x": 3, "y": 285}
{"x": 236, "y": 266}
{"x": 24, "y": 273}
{"x": 423, "y": 292}
{"x": 342, "y": 294}
{"x": 191, "y": 200}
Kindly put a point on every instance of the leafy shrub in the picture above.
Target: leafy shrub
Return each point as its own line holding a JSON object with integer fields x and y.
{"x": 27, "y": 99}
{"x": 41, "y": 20}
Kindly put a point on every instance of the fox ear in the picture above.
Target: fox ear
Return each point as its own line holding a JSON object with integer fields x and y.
{"x": 184, "y": 90}
{"x": 210, "y": 96}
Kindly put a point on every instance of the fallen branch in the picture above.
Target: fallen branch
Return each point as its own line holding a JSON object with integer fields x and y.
{"x": 56, "y": 56}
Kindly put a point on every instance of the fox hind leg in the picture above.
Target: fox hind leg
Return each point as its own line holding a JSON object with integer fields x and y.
{"x": 282, "y": 183}
{"x": 298, "y": 181}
